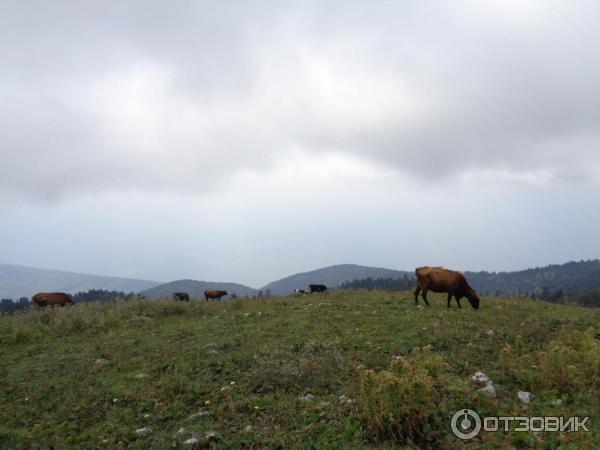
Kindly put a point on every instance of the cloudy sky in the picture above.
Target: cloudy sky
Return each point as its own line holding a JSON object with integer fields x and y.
{"x": 246, "y": 141}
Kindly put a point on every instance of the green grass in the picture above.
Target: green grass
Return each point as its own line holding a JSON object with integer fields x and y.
{"x": 246, "y": 364}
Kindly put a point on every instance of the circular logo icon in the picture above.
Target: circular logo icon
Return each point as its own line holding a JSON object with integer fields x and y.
{"x": 466, "y": 424}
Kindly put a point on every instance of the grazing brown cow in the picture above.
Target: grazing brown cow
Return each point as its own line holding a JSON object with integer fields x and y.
{"x": 437, "y": 279}
{"x": 43, "y": 299}
{"x": 181, "y": 296}
{"x": 214, "y": 294}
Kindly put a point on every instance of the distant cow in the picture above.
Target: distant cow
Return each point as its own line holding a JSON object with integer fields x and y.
{"x": 453, "y": 283}
{"x": 181, "y": 296}
{"x": 214, "y": 294}
{"x": 43, "y": 299}
{"x": 299, "y": 291}
{"x": 317, "y": 288}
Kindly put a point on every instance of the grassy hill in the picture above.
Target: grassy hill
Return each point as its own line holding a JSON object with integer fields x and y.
{"x": 196, "y": 289}
{"x": 331, "y": 276}
{"x": 339, "y": 370}
{"x": 21, "y": 281}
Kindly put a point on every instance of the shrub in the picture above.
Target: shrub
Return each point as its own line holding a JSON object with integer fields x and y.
{"x": 398, "y": 403}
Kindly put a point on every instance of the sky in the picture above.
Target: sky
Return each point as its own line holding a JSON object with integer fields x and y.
{"x": 247, "y": 141}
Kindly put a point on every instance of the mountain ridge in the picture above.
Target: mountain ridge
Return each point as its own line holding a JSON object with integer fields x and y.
{"x": 23, "y": 281}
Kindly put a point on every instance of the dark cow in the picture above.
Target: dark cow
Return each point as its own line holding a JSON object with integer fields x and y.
{"x": 43, "y": 299}
{"x": 317, "y": 288}
{"x": 437, "y": 279}
{"x": 181, "y": 296}
{"x": 214, "y": 294}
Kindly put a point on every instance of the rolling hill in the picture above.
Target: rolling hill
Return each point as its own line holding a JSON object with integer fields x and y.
{"x": 196, "y": 289}
{"x": 21, "y": 281}
{"x": 331, "y": 276}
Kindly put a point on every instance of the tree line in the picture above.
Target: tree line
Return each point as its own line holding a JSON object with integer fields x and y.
{"x": 383, "y": 284}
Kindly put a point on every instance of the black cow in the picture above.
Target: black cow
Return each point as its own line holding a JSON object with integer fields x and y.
{"x": 181, "y": 296}
{"x": 317, "y": 288}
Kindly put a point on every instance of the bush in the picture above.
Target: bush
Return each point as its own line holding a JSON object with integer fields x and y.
{"x": 398, "y": 403}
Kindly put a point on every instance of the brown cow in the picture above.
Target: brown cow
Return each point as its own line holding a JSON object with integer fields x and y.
{"x": 437, "y": 279}
{"x": 214, "y": 294}
{"x": 43, "y": 299}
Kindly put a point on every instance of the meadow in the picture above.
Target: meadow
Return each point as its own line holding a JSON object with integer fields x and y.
{"x": 345, "y": 369}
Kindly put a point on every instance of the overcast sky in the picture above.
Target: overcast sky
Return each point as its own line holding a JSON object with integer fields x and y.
{"x": 246, "y": 141}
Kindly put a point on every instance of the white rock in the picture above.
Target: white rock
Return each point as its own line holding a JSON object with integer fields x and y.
{"x": 199, "y": 414}
{"x": 211, "y": 435}
{"x": 480, "y": 377}
{"x": 488, "y": 390}
{"x": 306, "y": 398}
{"x": 139, "y": 376}
{"x": 143, "y": 431}
{"x": 556, "y": 402}
{"x": 248, "y": 429}
{"x": 524, "y": 396}
{"x": 191, "y": 441}
{"x": 345, "y": 399}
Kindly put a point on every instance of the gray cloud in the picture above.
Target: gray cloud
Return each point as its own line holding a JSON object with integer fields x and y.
{"x": 182, "y": 97}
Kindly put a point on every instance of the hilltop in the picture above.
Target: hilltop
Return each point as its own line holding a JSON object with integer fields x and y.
{"x": 338, "y": 370}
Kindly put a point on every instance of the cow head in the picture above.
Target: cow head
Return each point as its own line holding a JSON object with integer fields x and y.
{"x": 225, "y": 293}
{"x": 473, "y": 298}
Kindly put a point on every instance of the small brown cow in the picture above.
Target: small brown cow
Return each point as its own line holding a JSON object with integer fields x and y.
{"x": 437, "y": 279}
{"x": 214, "y": 294}
{"x": 43, "y": 299}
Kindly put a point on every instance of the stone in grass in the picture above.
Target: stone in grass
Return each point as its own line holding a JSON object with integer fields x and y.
{"x": 480, "y": 377}
{"x": 211, "y": 436}
{"x": 524, "y": 396}
{"x": 306, "y": 398}
{"x": 203, "y": 412}
{"x": 345, "y": 399}
{"x": 179, "y": 433}
{"x": 101, "y": 361}
{"x": 488, "y": 390}
{"x": 143, "y": 431}
{"x": 556, "y": 402}
{"x": 191, "y": 441}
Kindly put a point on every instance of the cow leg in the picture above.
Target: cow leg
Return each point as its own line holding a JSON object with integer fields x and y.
{"x": 417, "y": 291}
{"x": 450, "y": 299}
{"x": 458, "y": 301}
{"x": 424, "y": 295}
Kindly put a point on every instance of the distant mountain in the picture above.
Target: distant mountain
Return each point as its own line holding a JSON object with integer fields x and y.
{"x": 331, "y": 276}
{"x": 572, "y": 276}
{"x": 196, "y": 289}
{"x": 22, "y": 281}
